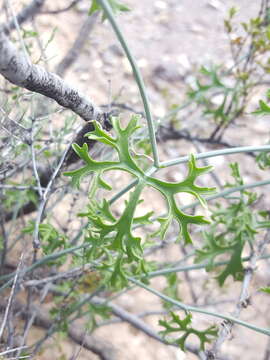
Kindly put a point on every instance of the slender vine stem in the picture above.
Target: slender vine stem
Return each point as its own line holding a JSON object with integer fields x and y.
{"x": 117, "y": 196}
{"x": 208, "y": 154}
{"x": 41, "y": 262}
{"x": 189, "y": 308}
{"x": 228, "y": 192}
{"x": 176, "y": 269}
{"x": 137, "y": 75}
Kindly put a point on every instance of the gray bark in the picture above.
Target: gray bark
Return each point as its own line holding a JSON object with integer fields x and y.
{"x": 27, "y": 13}
{"x": 17, "y": 69}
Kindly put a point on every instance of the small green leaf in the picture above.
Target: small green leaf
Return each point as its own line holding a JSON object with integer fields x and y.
{"x": 234, "y": 267}
{"x": 164, "y": 225}
{"x": 263, "y": 160}
{"x": 212, "y": 249}
{"x": 115, "y": 5}
{"x": 118, "y": 274}
{"x": 176, "y": 325}
{"x": 51, "y": 240}
{"x": 144, "y": 219}
{"x": 231, "y": 228}
{"x": 28, "y": 33}
{"x": 264, "y": 109}
{"x": 232, "y": 11}
{"x": 92, "y": 166}
{"x": 265, "y": 290}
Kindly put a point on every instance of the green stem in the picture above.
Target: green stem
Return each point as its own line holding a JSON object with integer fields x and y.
{"x": 41, "y": 262}
{"x": 136, "y": 72}
{"x": 176, "y": 269}
{"x": 149, "y": 172}
{"x": 199, "y": 310}
{"x": 203, "y": 155}
{"x": 228, "y": 192}
{"x": 209, "y": 154}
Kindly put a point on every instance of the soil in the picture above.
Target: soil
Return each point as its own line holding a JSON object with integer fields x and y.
{"x": 169, "y": 39}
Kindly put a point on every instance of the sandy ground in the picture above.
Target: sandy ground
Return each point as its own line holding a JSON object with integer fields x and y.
{"x": 169, "y": 39}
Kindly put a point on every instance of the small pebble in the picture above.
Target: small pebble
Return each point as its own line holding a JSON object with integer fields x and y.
{"x": 161, "y": 5}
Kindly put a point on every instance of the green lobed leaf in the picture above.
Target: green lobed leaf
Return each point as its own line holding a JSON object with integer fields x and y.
{"x": 234, "y": 267}
{"x": 263, "y": 160}
{"x": 115, "y": 5}
{"x": 92, "y": 165}
{"x": 169, "y": 190}
{"x": 51, "y": 239}
{"x": 232, "y": 227}
{"x": 265, "y": 290}
{"x": 213, "y": 249}
{"x": 108, "y": 234}
{"x": 264, "y": 109}
{"x": 175, "y": 325}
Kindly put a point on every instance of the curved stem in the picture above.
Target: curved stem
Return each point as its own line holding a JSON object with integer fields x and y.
{"x": 199, "y": 310}
{"x": 40, "y": 262}
{"x": 209, "y": 154}
{"x": 228, "y": 192}
{"x": 149, "y": 172}
{"x": 136, "y": 72}
{"x": 176, "y": 269}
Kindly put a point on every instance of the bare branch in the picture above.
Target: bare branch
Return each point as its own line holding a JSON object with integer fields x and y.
{"x": 139, "y": 324}
{"x": 60, "y": 276}
{"x": 166, "y": 133}
{"x": 28, "y": 12}
{"x": 11, "y": 296}
{"x": 13, "y": 128}
{"x": 58, "y": 11}
{"x": 12, "y": 350}
{"x": 16, "y": 68}
{"x": 92, "y": 343}
{"x": 78, "y": 45}
{"x": 70, "y": 158}
{"x": 34, "y": 162}
{"x": 43, "y": 203}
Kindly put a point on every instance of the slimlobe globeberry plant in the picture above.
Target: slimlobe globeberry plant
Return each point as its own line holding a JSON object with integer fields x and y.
{"x": 114, "y": 250}
{"x": 238, "y": 218}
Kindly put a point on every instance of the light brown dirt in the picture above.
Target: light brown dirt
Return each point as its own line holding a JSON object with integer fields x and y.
{"x": 168, "y": 38}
